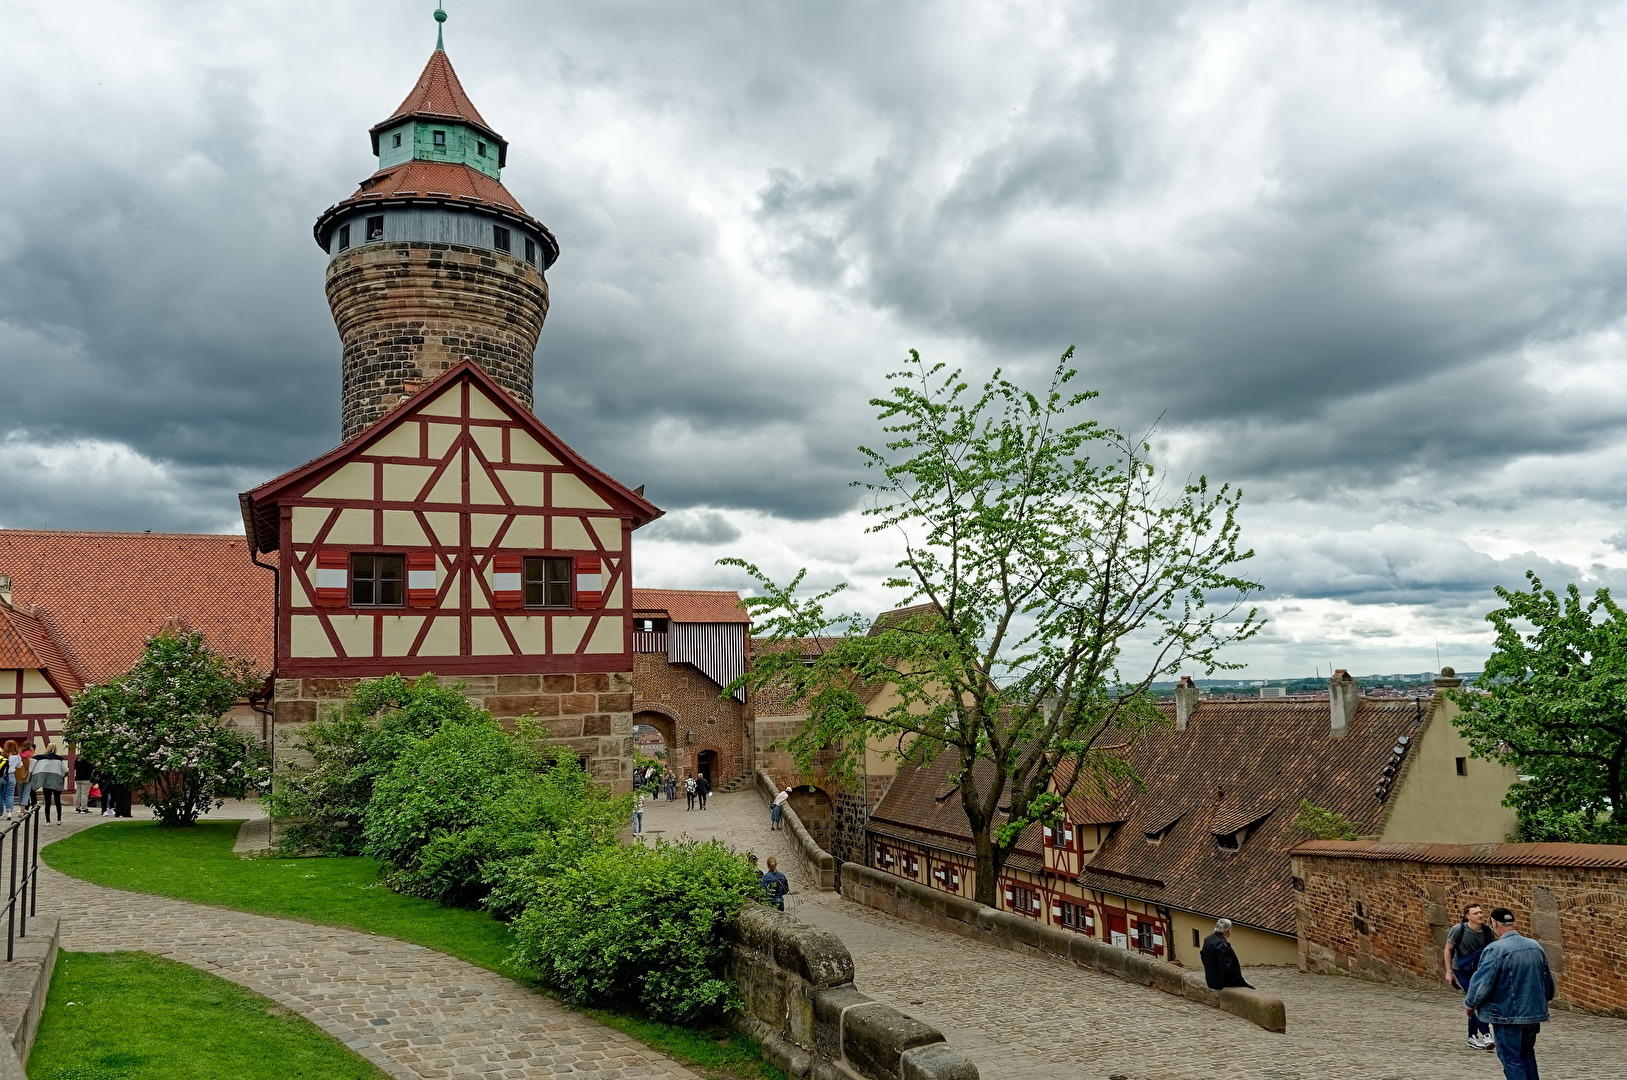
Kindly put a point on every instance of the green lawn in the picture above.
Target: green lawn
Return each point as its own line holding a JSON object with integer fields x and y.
{"x": 197, "y": 864}
{"x": 132, "y": 1016}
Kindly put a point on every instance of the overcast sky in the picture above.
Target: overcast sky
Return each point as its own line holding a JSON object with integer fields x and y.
{"x": 1366, "y": 260}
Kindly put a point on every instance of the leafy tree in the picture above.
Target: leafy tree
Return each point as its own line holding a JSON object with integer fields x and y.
{"x": 1060, "y": 578}
{"x": 157, "y": 728}
{"x": 1552, "y": 703}
{"x": 1324, "y": 824}
{"x": 326, "y": 801}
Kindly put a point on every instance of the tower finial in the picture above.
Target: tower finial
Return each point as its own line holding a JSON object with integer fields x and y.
{"x": 440, "y": 22}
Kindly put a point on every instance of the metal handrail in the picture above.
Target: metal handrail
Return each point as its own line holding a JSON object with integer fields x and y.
{"x": 24, "y": 837}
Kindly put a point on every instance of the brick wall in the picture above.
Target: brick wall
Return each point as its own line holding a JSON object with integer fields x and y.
{"x": 409, "y": 311}
{"x": 591, "y": 713}
{"x": 699, "y": 719}
{"x": 1383, "y": 910}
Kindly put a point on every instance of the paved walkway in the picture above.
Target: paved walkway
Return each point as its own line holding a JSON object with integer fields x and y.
{"x": 413, "y": 1012}
{"x": 1033, "y": 1018}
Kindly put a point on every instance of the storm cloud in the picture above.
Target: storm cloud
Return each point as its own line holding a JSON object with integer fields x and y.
{"x": 1368, "y": 261}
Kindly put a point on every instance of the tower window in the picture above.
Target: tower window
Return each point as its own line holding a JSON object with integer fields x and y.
{"x": 499, "y": 238}
{"x": 344, "y": 237}
{"x": 375, "y": 228}
{"x": 439, "y": 137}
{"x": 396, "y": 140}
{"x": 530, "y": 251}
{"x": 480, "y": 148}
{"x": 377, "y": 580}
{"x": 548, "y": 582}
{"x": 1463, "y": 766}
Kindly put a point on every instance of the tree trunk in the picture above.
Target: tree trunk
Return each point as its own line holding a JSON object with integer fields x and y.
{"x": 988, "y": 874}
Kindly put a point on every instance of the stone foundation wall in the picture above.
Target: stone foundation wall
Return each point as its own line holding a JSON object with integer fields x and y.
{"x": 1384, "y": 910}
{"x": 591, "y": 713}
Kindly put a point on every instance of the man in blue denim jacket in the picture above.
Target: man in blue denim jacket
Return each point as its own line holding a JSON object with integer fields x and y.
{"x": 1511, "y": 990}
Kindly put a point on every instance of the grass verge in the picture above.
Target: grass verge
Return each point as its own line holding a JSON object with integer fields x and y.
{"x": 197, "y": 864}
{"x": 132, "y": 1016}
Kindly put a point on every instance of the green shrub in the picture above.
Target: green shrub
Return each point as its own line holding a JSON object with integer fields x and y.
{"x": 640, "y": 926}
{"x": 350, "y": 748}
{"x": 458, "y": 807}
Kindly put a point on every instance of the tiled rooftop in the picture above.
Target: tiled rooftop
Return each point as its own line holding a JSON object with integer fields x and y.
{"x": 102, "y": 594}
{"x": 691, "y": 605}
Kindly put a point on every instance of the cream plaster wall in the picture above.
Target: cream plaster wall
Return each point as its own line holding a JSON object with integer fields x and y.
{"x": 571, "y": 492}
{"x": 1432, "y": 804}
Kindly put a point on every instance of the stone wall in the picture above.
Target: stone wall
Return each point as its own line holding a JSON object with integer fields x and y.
{"x": 699, "y": 719}
{"x": 591, "y": 712}
{"x": 1003, "y": 929}
{"x": 24, "y": 983}
{"x": 408, "y": 311}
{"x": 801, "y": 1004}
{"x": 820, "y": 864}
{"x": 1383, "y": 910}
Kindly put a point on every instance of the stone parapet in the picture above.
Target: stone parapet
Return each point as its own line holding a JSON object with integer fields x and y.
{"x": 821, "y": 864}
{"x": 801, "y": 1004}
{"x": 589, "y": 712}
{"x": 24, "y": 982}
{"x": 958, "y": 915}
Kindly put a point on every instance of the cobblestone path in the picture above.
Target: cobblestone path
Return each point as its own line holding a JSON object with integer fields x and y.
{"x": 1033, "y": 1018}
{"x": 411, "y": 1011}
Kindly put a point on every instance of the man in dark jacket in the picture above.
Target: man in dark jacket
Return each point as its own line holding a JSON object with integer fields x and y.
{"x": 1220, "y": 966}
{"x": 1510, "y": 990}
{"x": 703, "y": 788}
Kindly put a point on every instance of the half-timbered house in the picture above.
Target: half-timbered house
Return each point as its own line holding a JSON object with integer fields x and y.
{"x": 458, "y": 536}
{"x": 1208, "y": 836}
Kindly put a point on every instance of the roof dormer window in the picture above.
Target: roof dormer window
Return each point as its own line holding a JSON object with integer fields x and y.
{"x": 439, "y": 137}
{"x": 396, "y": 139}
{"x": 480, "y": 148}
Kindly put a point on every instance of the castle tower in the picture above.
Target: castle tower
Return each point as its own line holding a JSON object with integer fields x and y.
{"x": 432, "y": 261}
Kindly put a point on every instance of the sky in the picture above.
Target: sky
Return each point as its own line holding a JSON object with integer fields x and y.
{"x": 1366, "y": 261}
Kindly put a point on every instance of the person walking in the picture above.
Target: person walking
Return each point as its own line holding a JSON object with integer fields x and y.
{"x": 672, "y": 787}
{"x": 777, "y": 811}
{"x": 703, "y": 788}
{"x": 1511, "y": 989}
{"x": 776, "y": 884}
{"x": 20, "y": 773}
{"x": 8, "y": 781}
{"x": 689, "y": 793}
{"x": 47, "y": 778}
{"x": 638, "y": 813}
{"x": 1461, "y": 956}
{"x": 1220, "y": 966}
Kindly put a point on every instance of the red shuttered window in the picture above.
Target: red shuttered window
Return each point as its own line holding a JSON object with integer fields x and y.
{"x": 507, "y": 581}
{"x": 331, "y": 582}
{"x": 421, "y": 580}
{"x": 589, "y": 582}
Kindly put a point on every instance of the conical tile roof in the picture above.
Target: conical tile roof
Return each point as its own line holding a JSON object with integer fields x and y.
{"x": 438, "y": 95}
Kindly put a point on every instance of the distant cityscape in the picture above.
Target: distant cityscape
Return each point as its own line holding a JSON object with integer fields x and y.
{"x": 1316, "y": 686}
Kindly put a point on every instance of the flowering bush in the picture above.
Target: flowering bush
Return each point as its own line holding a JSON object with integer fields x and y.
{"x": 359, "y": 741}
{"x": 157, "y": 727}
{"x": 640, "y": 925}
{"x": 457, "y": 807}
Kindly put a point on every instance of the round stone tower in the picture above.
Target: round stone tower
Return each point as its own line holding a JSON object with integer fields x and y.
{"x": 432, "y": 260}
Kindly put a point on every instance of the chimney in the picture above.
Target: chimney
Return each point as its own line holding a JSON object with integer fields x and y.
{"x": 1344, "y": 694}
{"x": 1448, "y": 679}
{"x": 1186, "y": 699}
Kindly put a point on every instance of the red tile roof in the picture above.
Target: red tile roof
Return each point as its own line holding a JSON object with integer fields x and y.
{"x": 26, "y": 642}
{"x": 691, "y": 605}
{"x": 437, "y": 95}
{"x": 439, "y": 179}
{"x": 1235, "y": 765}
{"x": 1594, "y": 856}
{"x": 101, "y": 595}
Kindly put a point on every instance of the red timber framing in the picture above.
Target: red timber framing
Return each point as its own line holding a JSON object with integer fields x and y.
{"x": 467, "y": 486}
{"x": 31, "y": 708}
